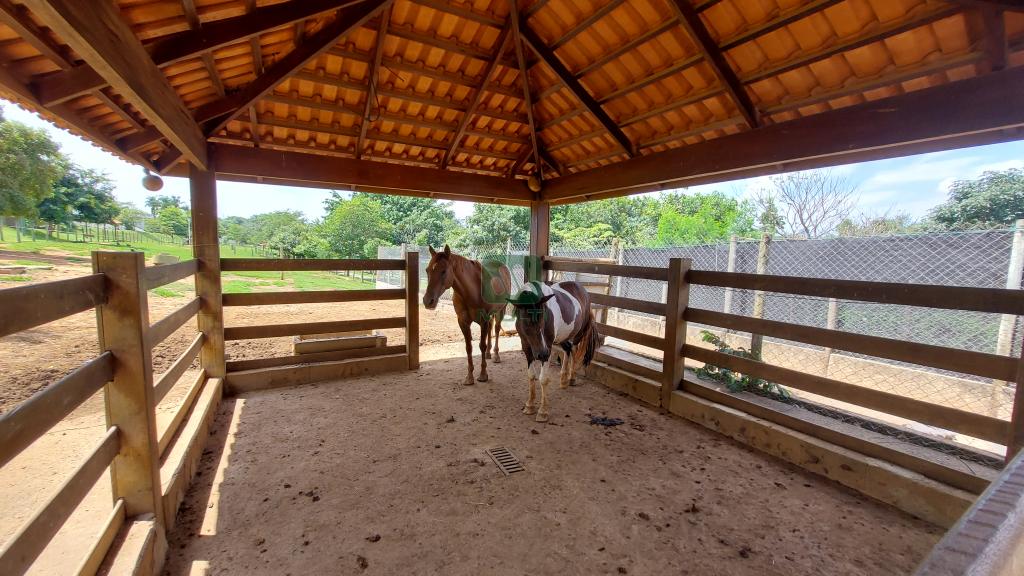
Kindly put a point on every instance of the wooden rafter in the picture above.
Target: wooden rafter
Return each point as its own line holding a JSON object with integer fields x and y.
{"x": 485, "y": 81}
{"x": 586, "y": 23}
{"x": 925, "y": 120}
{"x": 784, "y": 19}
{"x": 524, "y": 79}
{"x": 694, "y": 26}
{"x": 83, "y": 79}
{"x": 192, "y": 16}
{"x": 569, "y": 80}
{"x": 462, "y": 12}
{"x": 97, "y": 32}
{"x": 372, "y": 80}
{"x": 996, "y": 46}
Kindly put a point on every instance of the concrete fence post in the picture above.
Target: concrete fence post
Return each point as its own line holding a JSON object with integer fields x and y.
{"x": 757, "y": 340}
{"x": 730, "y": 267}
{"x": 1014, "y": 270}
{"x": 122, "y": 325}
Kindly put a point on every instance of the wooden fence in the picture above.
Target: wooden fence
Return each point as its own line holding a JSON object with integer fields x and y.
{"x": 243, "y": 375}
{"x": 148, "y": 482}
{"x": 675, "y": 349}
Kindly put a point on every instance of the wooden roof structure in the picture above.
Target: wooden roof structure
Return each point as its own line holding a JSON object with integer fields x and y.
{"x": 464, "y": 99}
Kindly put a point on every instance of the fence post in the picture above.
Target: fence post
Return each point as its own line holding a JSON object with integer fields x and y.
{"x": 678, "y": 298}
{"x": 412, "y": 309}
{"x": 730, "y": 267}
{"x": 122, "y": 324}
{"x": 831, "y": 319}
{"x": 206, "y": 250}
{"x": 757, "y": 340}
{"x": 1014, "y": 269}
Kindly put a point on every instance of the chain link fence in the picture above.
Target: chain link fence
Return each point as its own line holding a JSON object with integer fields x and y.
{"x": 978, "y": 258}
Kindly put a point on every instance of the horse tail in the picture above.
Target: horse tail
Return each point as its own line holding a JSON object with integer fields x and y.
{"x": 589, "y": 343}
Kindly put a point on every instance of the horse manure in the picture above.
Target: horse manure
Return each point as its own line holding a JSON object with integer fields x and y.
{"x": 605, "y": 421}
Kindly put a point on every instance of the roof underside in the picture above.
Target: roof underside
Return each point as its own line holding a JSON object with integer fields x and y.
{"x": 439, "y": 83}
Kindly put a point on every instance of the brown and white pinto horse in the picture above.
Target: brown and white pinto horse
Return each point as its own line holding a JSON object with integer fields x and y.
{"x": 481, "y": 292}
{"x": 554, "y": 318}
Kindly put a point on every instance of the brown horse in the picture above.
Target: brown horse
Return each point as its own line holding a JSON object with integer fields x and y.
{"x": 480, "y": 296}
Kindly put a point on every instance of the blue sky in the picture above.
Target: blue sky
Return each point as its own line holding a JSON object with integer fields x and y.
{"x": 913, "y": 184}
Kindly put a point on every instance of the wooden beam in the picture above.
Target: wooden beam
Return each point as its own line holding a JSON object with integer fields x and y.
{"x": 307, "y": 264}
{"x": 97, "y": 32}
{"x": 206, "y": 250}
{"x": 963, "y": 113}
{"x": 524, "y": 81}
{"x": 277, "y": 330}
{"x": 996, "y": 47}
{"x": 347, "y": 20}
{"x": 574, "y": 86}
{"x": 485, "y": 80}
{"x": 371, "y": 81}
{"x": 333, "y": 172}
{"x": 82, "y": 79}
{"x": 462, "y": 12}
{"x": 586, "y": 23}
{"x": 784, "y": 19}
{"x": 29, "y": 306}
{"x": 691, "y": 21}
{"x": 628, "y": 46}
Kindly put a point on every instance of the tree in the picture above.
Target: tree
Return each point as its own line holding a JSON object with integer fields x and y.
{"x": 812, "y": 203}
{"x": 158, "y": 203}
{"x": 131, "y": 217}
{"x": 590, "y": 224}
{"x": 414, "y": 220}
{"x": 877, "y": 225}
{"x": 352, "y": 225}
{"x": 30, "y": 164}
{"x": 702, "y": 218}
{"x": 994, "y": 199}
{"x": 174, "y": 221}
{"x": 491, "y": 225}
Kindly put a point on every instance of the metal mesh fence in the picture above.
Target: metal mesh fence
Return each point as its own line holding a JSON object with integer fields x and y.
{"x": 983, "y": 258}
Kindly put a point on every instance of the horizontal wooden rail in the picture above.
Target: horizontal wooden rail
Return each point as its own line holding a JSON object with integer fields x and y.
{"x": 157, "y": 276}
{"x": 275, "y": 264}
{"x": 963, "y": 361}
{"x": 624, "y": 364}
{"x": 624, "y": 303}
{"x": 313, "y": 297}
{"x": 169, "y": 378}
{"x": 26, "y": 307}
{"x": 93, "y": 559}
{"x": 656, "y": 342}
{"x": 23, "y": 425}
{"x": 161, "y": 330}
{"x": 21, "y": 551}
{"x": 989, "y": 538}
{"x": 279, "y": 330}
{"x": 164, "y": 441}
{"x": 969, "y": 423}
{"x": 332, "y": 356}
{"x": 580, "y": 267}
{"x": 995, "y": 300}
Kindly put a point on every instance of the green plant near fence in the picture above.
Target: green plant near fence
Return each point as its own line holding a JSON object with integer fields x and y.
{"x": 735, "y": 381}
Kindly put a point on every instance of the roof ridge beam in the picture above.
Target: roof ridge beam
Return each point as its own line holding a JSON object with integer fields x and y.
{"x": 694, "y": 26}
{"x": 574, "y": 86}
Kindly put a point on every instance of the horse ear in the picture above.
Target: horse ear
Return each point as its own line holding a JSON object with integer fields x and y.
{"x": 432, "y": 251}
{"x": 447, "y": 250}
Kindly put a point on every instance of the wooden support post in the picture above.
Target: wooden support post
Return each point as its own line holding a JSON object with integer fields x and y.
{"x": 1016, "y": 440}
{"x": 412, "y": 308}
{"x": 540, "y": 238}
{"x": 757, "y": 340}
{"x": 206, "y": 249}
{"x": 678, "y": 298}
{"x": 122, "y": 323}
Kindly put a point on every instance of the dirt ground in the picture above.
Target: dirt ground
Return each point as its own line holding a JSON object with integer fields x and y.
{"x": 388, "y": 475}
{"x": 317, "y": 473}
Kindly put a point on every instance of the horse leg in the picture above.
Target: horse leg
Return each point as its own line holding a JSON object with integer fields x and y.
{"x": 531, "y": 374}
{"x": 545, "y": 375}
{"x": 467, "y": 334}
{"x": 497, "y": 336}
{"x": 485, "y": 329}
{"x": 565, "y": 375}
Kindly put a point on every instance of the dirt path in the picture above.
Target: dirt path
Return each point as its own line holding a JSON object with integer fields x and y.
{"x": 388, "y": 475}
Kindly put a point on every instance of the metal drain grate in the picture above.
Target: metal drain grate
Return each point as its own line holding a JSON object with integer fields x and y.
{"x": 506, "y": 460}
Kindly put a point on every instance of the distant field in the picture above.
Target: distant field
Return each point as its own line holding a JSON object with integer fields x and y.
{"x": 150, "y": 244}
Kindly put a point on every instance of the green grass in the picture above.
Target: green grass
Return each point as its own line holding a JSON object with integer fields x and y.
{"x": 149, "y": 243}
{"x": 305, "y": 281}
{"x": 4, "y": 278}
{"x": 28, "y": 263}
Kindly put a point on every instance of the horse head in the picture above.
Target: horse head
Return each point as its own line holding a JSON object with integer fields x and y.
{"x": 440, "y": 276}
{"x": 531, "y": 311}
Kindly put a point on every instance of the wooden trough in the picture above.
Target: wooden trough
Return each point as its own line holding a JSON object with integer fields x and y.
{"x": 333, "y": 342}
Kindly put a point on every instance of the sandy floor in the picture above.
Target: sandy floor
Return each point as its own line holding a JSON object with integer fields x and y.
{"x": 387, "y": 475}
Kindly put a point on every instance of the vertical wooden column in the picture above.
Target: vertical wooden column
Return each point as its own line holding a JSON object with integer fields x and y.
{"x": 540, "y": 237}
{"x": 412, "y": 308}
{"x": 122, "y": 324}
{"x": 677, "y": 299}
{"x": 206, "y": 249}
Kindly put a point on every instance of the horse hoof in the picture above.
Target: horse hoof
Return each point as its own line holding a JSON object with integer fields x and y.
{"x": 468, "y": 381}
{"x": 497, "y": 359}
{"x": 482, "y": 378}
{"x": 487, "y": 355}
{"x": 563, "y": 385}
{"x": 541, "y": 417}
{"x": 529, "y": 409}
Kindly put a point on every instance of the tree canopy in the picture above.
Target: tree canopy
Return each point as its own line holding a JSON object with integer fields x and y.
{"x": 994, "y": 199}
{"x": 30, "y": 165}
